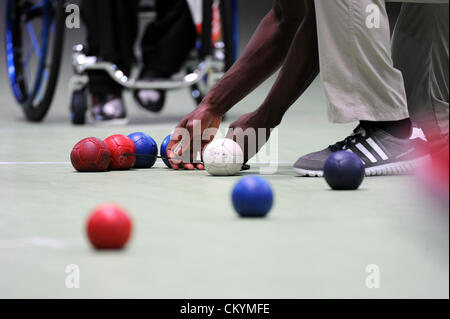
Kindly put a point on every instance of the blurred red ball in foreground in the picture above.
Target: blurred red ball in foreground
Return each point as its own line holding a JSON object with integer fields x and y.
{"x": 109, "y": 227}
{"x": 118, "y": 146}
{"x": 90, "y": 155}
{"x": 434, "y": 175}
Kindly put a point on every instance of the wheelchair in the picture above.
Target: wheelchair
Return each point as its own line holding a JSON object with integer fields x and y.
{"x": 34, "y": 43}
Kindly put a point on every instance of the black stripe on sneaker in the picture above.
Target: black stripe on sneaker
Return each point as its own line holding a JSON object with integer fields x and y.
{"x": 381, "y": 146}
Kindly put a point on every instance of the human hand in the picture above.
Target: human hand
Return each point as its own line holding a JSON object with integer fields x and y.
{"x": 191, "y": 136}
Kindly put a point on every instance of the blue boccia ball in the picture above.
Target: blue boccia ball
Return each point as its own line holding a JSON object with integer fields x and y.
{"x": 252, "y": 197}
{"x": 164, "y": 145}
{"x": 145, "y": 145}
{"x": 344, "y": 171}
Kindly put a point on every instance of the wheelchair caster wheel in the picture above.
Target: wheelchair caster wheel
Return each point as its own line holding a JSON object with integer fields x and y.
{"x": 196, "y": 95}
{"x": 79, "y": 107}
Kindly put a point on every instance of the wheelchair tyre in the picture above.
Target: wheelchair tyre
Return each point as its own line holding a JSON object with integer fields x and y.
{"x": 34, "y": 88}
{"x": 79, "y": 107}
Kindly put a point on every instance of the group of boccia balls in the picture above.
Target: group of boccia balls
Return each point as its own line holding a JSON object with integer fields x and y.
{"x": 117, "y": 152}
{"x": 109, "y": 226}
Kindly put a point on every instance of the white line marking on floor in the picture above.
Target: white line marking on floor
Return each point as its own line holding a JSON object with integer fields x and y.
{"x": 45, "y": 242}
{"x": 34, "y": 163}
{"x": 68, "y": 163}
{"x": 34, "y": 241}
{"x": 270, "y": 163}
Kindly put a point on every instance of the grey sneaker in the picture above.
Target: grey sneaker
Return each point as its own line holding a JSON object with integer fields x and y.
{"x": 109, "y": 109}
{"x": 381, "y": 153}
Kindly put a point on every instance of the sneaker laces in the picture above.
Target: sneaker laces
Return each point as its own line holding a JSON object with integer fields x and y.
{"x": 358, "y": 135}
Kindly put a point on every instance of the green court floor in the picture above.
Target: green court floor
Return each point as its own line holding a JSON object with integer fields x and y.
{"x": 188, "y": 242}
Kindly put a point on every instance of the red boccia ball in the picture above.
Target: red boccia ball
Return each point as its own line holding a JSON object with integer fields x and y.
{"x": 90, "y": 155}
{"x": 109, "y": 227}
{"x": 119, "y": 145}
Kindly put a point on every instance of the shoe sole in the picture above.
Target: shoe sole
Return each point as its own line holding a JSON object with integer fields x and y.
{"x": 392, "y": 169}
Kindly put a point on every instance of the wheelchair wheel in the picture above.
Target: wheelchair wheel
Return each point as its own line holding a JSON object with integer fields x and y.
{"x": 34, "y": 42}
{"x": 79, "y": 107}
{"x": 224, "y": 50}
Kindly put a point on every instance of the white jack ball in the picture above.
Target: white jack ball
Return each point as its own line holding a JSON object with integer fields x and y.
{"x": 223, "y": 157}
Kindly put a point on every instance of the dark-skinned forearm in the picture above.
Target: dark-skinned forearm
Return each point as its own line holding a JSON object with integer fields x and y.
{"x": 299, "y": 71}
{"x": 263, "y": 56}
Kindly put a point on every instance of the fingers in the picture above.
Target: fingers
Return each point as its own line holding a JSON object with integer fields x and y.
{"x": 172, "y": 148}
{"x": 177, "y": 164}
{"x": 187, "y": 140}
{"x": 193, "y": 164}
{"x": 189, "y": 167}
{"x": 174, "y": 162}
{"x": 171, "y": 154}
{"x": 176, "y": 137}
